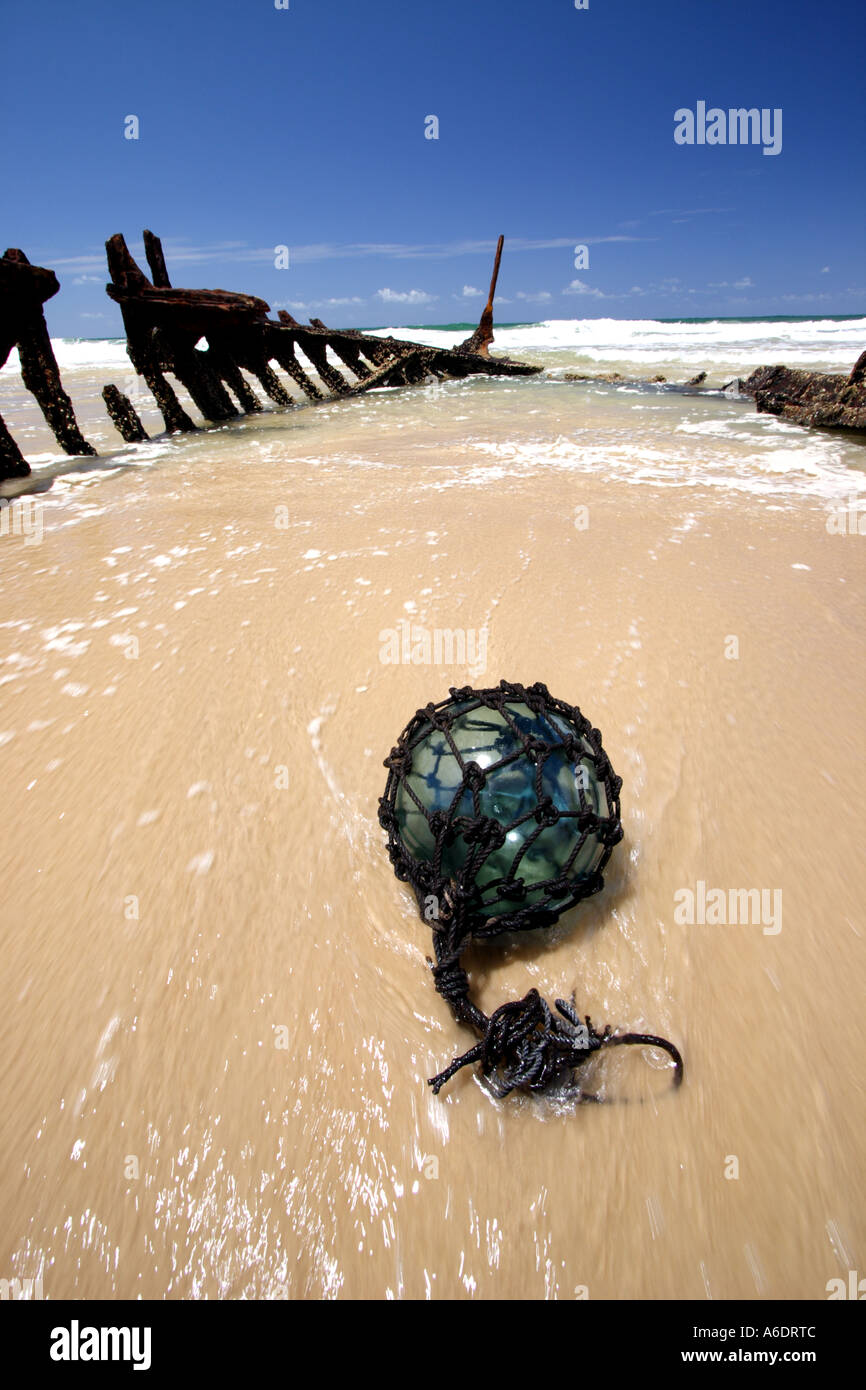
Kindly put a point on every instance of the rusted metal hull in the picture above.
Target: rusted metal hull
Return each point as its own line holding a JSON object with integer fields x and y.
{"x": 164, "y": 327}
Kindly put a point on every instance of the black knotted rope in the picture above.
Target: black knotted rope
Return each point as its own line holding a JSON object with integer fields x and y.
{"x": 523, "y": 1044}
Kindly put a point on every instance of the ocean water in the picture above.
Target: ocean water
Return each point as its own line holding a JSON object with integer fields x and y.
{"x": 634, "y": 347}
{"x": 679, "y": 348}
{"x": 643, "y": 434}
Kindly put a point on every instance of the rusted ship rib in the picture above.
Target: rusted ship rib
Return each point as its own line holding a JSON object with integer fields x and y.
{"x": 24, "y": 288}
{"x": 164, "y": 331}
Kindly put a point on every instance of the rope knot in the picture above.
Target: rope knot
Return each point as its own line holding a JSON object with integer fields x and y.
{"x": 451, "y": 980}
{"x": 387, "y": 815}
{"x": 396, "y": 761}
{"x": 537, "y": 697}
{"x": 546, "y": 813}
{"x": 610, "y": 832}
{"x": 474, "y": 777}
{"x": 485, "y": 832}
{"x": 573, "y": 748}
{"x": 431, "y": 715}
{"x": 513, "y": 890}
{"x": 525, "y": 1047}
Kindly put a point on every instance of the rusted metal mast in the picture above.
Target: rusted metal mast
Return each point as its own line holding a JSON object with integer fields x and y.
{"x": 483, "y": 335}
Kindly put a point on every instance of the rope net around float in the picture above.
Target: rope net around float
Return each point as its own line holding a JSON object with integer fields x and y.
{"x": 501, "y": 810}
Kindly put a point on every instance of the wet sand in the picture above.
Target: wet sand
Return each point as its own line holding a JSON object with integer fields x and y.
{"x": 173, "y": 914}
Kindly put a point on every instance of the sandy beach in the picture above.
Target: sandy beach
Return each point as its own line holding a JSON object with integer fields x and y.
{"x": 216, "y": 1007}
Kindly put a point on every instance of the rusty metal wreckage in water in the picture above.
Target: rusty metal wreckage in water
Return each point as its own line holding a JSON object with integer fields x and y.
{"x": 164, "y": 327}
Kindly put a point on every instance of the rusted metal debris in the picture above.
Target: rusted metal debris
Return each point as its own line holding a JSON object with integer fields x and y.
{"x": 817, "y": 400}
{"x": 164, "y": 327}
{"x": 24, "y": 288}
{"x": 820, "y": 399}
{"x": 123, "y": 415}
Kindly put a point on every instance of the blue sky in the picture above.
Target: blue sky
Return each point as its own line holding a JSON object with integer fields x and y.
{"x": 305, "y": 127}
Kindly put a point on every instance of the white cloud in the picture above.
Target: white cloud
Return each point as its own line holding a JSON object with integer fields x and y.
{"x": 853, "y": 291}
{"x": 177, "y": 253}
{"x": 469, "y": 292}
{"x": 541, "y": 297}
{"x": 825, "y": 270}
{"x": 813, "y": 298}
{"x": 688, "y": 212}
{"x": 90, "y": 279}
{"x": 580, "y": 287}
{"x": 405, "y": 296}
{"x": 303, "y": 305}
{"x": 745, "y": 284}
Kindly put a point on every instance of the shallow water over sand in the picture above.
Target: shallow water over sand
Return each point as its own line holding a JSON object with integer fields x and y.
{"x": 194, "y": 717}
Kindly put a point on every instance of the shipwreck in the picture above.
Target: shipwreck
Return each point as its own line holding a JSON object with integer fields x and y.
{"x": 215, "y": 343}
{"x": 223, "y": 348}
